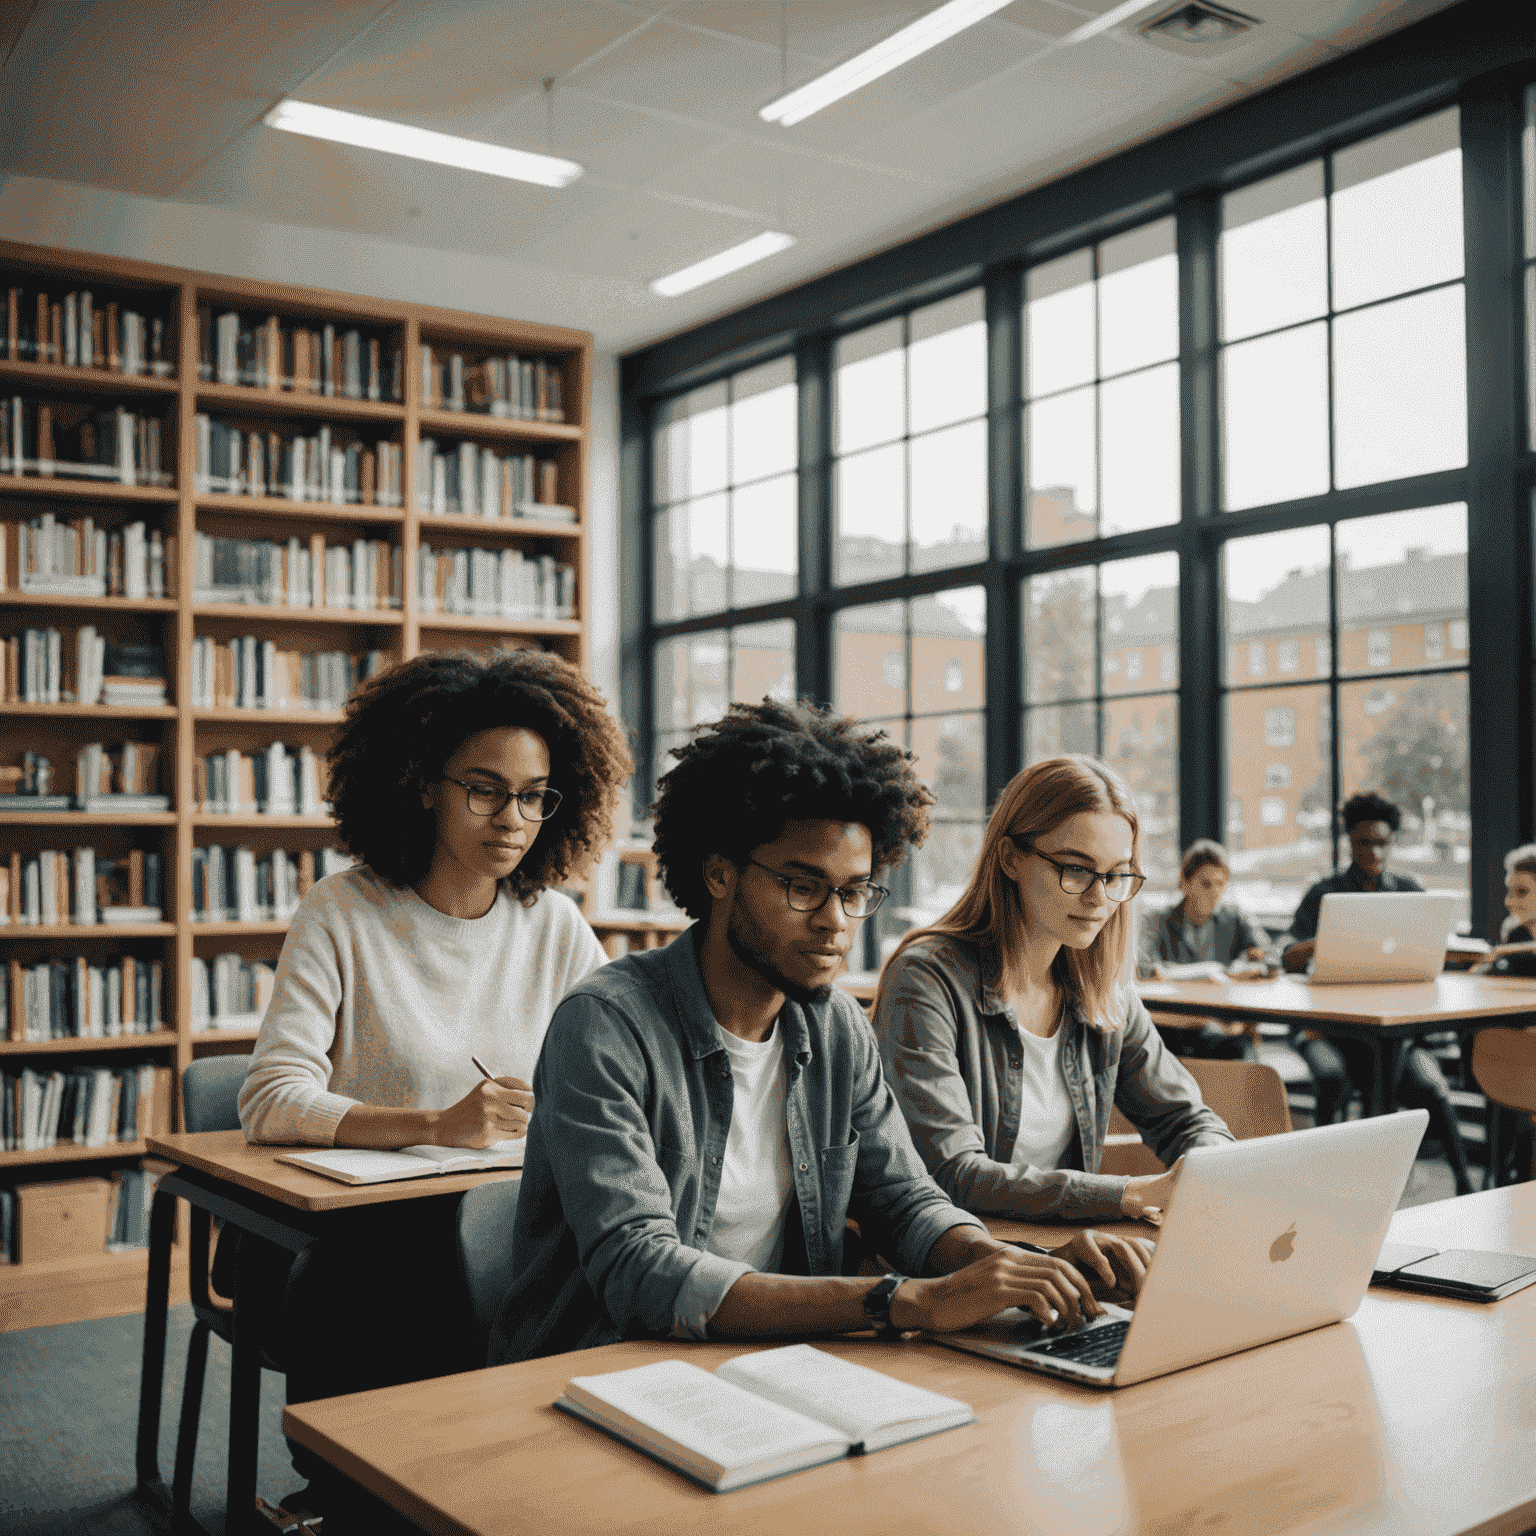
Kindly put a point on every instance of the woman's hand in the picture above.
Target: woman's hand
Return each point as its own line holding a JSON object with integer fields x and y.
{"x": 1296, "y": 956}
{"x": 1114, "y": 1266}
{"x": 1043, "y": 1284}
{"x": 1147, "y": 1198}
{"x": 493, "y": 1110}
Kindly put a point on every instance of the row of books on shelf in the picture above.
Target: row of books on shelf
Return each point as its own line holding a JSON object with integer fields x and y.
{"x": 79, "y": 885}
{"x": 48, "y": 666}
{"x": 85, "y": 1107}
{"x": 126, "y": 1199}
{"x": 361, "y": 575}
{"x": 248, "y": 673}
{"x": 51, "y": 557}
{"x": 76, "y": 1000}
{"x": 60, "y": 440}
{"x": 77, "y": 331}
{"x": 503, "y": 583}
{"x": 229, "y": 992}
{"x": 519, "y": 388}
{"x": 276, "y": 781}
{"x": 466, "y": 480}
{"x": 351, "y": 364}
{"x": 309, "y": 467}
{"x": 235, "y": 885}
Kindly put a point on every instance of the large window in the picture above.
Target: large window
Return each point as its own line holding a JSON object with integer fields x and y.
{"x": 1193, "y": 488}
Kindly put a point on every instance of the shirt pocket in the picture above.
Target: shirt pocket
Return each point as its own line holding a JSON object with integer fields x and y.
{"x": 838, "y": 1167}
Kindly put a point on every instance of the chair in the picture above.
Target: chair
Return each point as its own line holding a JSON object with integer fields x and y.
{"x": 1248, "y": 1095}
{"x": 1504, "y": 1066}
{"x": 486, "y": 1214}
{"x": 210, "y": 1087}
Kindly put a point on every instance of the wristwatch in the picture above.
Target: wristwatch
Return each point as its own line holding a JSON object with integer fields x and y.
{"x": 877, "y": 1306}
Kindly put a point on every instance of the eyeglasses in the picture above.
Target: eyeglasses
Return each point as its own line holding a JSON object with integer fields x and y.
{"x": 1076, "y": 879}
{"x": 488, "y": 799}
{"x": 805, "y": 894}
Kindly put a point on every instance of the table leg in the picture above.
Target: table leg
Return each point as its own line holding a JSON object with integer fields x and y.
{"x": 244, "y": 1408}
{"x": 152, "y": 1371}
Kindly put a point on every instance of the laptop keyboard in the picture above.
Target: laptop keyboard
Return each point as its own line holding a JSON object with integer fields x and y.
{"x": 1094, "y": 1346}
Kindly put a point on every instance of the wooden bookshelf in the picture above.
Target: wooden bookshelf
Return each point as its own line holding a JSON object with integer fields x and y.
{"x": 184, "y": 731}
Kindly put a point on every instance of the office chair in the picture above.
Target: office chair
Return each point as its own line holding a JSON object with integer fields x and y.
{"x": 486, "y": 1214}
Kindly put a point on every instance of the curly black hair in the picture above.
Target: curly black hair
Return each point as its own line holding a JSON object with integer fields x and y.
{"x": 404, "y": 723}
{"x": 1367, "y": 806}
{"x": 741, "y": 779}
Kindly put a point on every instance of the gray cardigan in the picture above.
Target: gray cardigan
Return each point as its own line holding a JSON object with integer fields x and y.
{"x": 949, "y": 1044}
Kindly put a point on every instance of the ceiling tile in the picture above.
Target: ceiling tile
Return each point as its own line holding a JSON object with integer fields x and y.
{"x": 1244, "y": 56}
{"x": 1346, "y": 24}
{"x": 819, "y": 35}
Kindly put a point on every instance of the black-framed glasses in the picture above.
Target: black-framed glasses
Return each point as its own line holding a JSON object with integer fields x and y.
{"x": 1076, "y": 879}
{"x": 488, "y": 799}
{"x": 805, "y": 893}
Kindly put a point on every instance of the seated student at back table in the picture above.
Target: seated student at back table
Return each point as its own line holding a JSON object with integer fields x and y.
{"x": 711, "y": 1113}
{"x": 1335, "y": 1063}
{"x": 1009, "y": 1028}
{"x": 467, "y": 787}
{"x": 1200, "y": 926}
{"x": 1515, "y": 953}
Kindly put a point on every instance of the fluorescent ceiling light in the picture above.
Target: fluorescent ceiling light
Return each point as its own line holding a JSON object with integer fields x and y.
{"x": 1109, "y": 19}
{"x": 924, "y": 33}
{"x": 770, "y": 243}
{"x": 421, "y": 143}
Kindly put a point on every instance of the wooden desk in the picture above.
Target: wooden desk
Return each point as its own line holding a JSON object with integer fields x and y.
{"x": 221, "y": 1173}
{"x": 1416, "y": 1416}
{"x": 1379, "y": 1013}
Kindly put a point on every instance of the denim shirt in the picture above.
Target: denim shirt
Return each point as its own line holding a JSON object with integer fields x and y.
{"x": 949, "y": 1041}
{"x": 625, "y": 1151}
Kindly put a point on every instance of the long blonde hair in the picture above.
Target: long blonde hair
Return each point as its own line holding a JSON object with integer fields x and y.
{"x": 991, "y": 911}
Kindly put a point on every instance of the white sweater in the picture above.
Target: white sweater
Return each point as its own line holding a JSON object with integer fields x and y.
{"x": 382, "y": 999}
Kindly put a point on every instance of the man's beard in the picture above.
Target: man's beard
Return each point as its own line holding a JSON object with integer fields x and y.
{"x": 746, "y": 941}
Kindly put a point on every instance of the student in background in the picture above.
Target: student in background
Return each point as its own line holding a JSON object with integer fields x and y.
{"x": 1009, "y": 1028}
{"x": 711, "y": 1113}
{"x": 467, "y": 788}
{"x": 1371, "y": 822}
{"x": 1515, "y": 953}
{"x": 1202, "y": 927}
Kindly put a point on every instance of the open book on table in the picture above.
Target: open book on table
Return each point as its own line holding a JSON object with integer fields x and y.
{"x": 759, "y": 1415}
{"x": 363, "y": 1165}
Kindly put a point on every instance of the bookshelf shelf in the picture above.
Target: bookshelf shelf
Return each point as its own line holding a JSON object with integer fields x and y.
{"x": 71, "y": 1153}
{"x": 502, "y": 428}
{"x": 82, "y": 820}
{"x": 85, "y": 490}
{"x": 299, "y": 511}
{"x": 285, "y": 402}
{"x": 258, "y": 819}
{"x": 84, "y": 931}
{"x": 181, "y": 511}
{"x": 92, "y": 711}
{"x": 488, "y": 624}
{"x": 52, "y": 377}
{"x": 156, "y": 1040}
{"x": 91, "y": 604}
{"x": 521, "y": 527}
{"x": 232, "y": 716}
{"x": 277, "y": 611}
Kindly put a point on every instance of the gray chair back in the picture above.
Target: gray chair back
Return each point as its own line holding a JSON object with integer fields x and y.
{"x": 209, "y": 1089}
{"x": 486, "y": 1214}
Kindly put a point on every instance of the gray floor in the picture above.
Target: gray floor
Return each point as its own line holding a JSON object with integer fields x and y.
{"x": 69, "y": 1408}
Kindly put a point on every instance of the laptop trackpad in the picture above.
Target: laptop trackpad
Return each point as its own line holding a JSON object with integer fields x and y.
{"x": 1017, "y": 1325}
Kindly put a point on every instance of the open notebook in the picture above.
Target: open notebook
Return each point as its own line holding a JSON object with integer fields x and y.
{"x": 759, "y": 1415}
{"x": 361, "y": 1165}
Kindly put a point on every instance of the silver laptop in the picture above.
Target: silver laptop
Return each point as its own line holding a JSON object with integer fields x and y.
{"x": 1383, "y": 936}
{"x": 1264, "y": 1239}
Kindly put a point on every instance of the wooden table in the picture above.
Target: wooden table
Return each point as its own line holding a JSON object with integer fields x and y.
{"x": 222, "y": 1175}
{"x": 1380, "y": 1013}
{"x": 1417, "y": 1416}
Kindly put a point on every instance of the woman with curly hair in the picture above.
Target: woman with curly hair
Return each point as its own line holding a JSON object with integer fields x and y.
{"x": 1009, "y": 1028}
{"x": 467, "y": 787}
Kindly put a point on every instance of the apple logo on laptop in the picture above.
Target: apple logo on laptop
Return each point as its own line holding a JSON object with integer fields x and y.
{"x": 1283, "y": 1246}
{"x": 1388, "y": 945}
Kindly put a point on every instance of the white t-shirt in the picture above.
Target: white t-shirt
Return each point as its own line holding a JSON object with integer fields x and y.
{"x": 756, "y": 1179}
{"x": 1046, "y": 1120}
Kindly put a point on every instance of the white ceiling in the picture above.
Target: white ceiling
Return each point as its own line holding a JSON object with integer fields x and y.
{"x": 137, "y": 122}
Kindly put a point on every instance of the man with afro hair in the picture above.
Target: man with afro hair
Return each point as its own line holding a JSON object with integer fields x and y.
{"x": 711, "y": 1114}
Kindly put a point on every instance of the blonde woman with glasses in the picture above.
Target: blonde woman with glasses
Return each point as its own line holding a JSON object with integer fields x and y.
{"x": 1009, "y": 1028}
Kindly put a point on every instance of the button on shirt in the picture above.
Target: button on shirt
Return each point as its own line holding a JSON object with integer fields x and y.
{"x": 756, "y": 1178}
